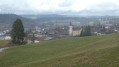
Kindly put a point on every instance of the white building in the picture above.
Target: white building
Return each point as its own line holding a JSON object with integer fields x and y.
{"x": 37, "y": 29}
{"x": 70, "y": 29}
{"x": 29, "y": 41}
{"x": 7, "y": 38}
{"x": 36, "y": 41}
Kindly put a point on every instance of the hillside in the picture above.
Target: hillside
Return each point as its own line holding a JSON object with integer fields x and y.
{"x": 3, "y": 43}
{"x": 94, "y": 51}
{"x": 6, "y": 20}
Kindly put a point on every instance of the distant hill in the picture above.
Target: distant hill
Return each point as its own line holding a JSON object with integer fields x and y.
{"x": 6, "y": 20}
{"x": 43, "y": 15}
{"x": 92, "y": 51}
{"x": 54, "y": 18}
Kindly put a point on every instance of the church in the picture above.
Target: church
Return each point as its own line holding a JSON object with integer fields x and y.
{"x": 74, "y": 31}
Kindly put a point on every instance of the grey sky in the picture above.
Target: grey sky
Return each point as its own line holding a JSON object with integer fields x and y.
{"x": 58, "y": 6}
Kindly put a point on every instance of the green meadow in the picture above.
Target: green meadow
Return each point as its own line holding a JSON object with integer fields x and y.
{"x": 92, "y": 51}
{"x": 3, "y": 43}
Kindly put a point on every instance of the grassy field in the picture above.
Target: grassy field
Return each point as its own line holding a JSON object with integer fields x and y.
{"x": 3, "y": 43}
{"x": 95, "y": 51}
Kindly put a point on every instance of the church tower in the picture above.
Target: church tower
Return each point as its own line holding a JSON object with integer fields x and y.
{"x": 70, "y": 29}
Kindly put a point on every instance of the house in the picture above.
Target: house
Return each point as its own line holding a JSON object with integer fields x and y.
{"x": 29, "y": 41}
{"x": 7, "y": 38}
{"x": 30, "y": 38}
{"x": 107, "y": 26}
{"x": 36, "y": 41}
{"x": 43, "y": 38}
{"x": 48, "y": 38}
{"x": 76, "y": 32}
{"x": 96, "y": 31}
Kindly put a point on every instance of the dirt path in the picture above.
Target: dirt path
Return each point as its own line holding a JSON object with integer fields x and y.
{"x": 1, "y": 49}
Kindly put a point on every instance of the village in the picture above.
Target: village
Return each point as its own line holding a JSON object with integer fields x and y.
{"x": 36, "y": 35}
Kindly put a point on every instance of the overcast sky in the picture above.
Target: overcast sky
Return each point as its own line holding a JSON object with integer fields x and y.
{"x": 85, "y": 7}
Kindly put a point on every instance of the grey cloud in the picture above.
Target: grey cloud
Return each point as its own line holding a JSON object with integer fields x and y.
{"x": 109, "y": 8}
{"x": 66, "y": 3}
{"x": 23, "y": 7}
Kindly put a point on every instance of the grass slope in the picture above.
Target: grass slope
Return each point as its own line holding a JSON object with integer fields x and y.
{"x": 95, "y": 51}
{"x": 3, "y": 43}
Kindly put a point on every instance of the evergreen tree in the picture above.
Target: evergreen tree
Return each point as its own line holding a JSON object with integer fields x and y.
{"x": 103, "y": 30}
{"x": 17, "y": 32}
{"x": 86, "y": 31}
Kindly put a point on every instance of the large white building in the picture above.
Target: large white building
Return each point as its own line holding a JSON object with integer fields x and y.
{"x": 70, "y": 30}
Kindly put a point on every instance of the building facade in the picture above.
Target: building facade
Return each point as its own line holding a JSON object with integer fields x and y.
{"x": 74, "y": 31}
{"x": 77, "y": 32}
